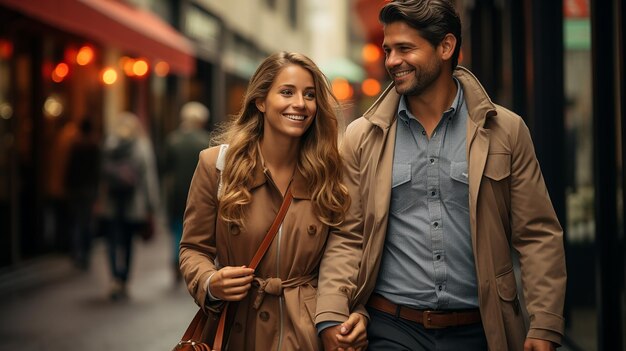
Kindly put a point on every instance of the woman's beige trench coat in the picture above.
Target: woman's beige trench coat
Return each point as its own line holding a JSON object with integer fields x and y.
{"x": 278, "y": 312}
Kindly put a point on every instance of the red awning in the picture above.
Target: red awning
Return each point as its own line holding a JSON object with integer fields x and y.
{"x": 117, "y": 24}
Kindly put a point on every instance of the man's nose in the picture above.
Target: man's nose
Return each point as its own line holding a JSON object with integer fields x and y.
{"x": 392, "y": 60}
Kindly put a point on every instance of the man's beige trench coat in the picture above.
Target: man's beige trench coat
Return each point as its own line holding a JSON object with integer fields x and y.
{"x": 509, "y": 206}
{"x": 283, "y": 317}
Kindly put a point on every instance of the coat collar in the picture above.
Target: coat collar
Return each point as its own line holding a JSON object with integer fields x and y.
{"x": 384, "y": 111}
{"x": 261, "y": 175}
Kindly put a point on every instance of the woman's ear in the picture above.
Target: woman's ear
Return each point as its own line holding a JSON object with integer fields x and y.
{"x": 447, "y": 46}
{"x": 260, "y": 104}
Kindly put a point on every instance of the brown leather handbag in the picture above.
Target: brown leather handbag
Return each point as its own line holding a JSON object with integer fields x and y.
{"x": 191, "y": 338}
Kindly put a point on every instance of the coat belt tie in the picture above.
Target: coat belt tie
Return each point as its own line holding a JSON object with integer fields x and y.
{"x": 275, "y": 286}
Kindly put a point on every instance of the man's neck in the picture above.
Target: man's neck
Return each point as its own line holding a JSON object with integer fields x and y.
{"x": 429, "y": 106}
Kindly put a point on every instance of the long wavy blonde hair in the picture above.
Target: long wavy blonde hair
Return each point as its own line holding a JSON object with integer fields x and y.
{"x": 319, "y": 160}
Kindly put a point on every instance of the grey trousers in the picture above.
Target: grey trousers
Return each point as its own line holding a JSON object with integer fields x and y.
{"x": 387, "y": 332}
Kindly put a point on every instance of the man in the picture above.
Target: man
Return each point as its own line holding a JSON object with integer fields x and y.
{"x": 443, "y": 183}
{"x": 181, "y": 157}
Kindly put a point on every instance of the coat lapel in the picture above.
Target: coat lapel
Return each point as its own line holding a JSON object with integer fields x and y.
{"x": 477, "y": 150}
{"x": 383, "y": 173}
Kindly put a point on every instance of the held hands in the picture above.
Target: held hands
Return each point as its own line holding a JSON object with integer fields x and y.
{"x": 351, "y": 335}
{"x": 231, "y": 283}
{"x": 538, "y": 345}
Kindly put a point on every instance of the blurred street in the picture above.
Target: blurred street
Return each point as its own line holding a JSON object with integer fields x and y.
{"x": 71, "y": 309}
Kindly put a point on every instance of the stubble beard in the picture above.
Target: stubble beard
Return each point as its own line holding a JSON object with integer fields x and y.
{"x": 422, "y": 80}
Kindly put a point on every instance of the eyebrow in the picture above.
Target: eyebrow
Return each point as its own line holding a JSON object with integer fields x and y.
{"x": 402, "y": 43}
{"x": 293, "y": 86}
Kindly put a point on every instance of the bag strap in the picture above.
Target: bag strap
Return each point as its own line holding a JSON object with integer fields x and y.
{"x": 219, "y": 164}
{"x": 194, "y": 331}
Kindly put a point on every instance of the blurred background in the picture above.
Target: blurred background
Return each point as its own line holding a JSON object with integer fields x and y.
{"x": 559, "y": 64}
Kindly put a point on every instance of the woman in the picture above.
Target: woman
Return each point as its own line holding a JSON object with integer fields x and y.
{"x": 284, "y": 137}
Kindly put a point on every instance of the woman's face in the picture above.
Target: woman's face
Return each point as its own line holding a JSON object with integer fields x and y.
{"x": 290, "y": 104}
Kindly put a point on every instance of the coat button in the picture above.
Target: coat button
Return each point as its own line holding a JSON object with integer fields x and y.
{"x": 312, "y": 229}
{"x": 237, "y": 327}
{"x": 234, "y": 229}
{"x": 264, "y": 316}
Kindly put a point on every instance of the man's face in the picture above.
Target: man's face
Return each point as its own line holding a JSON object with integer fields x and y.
{"x": 412, "y": 62}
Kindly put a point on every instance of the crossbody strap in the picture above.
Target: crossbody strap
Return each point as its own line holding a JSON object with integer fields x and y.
{"x": 194, "y": 331}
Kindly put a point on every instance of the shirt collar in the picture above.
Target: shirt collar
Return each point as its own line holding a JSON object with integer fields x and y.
{"x": 405, "y": 115}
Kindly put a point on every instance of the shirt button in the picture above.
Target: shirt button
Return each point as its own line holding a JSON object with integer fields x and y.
{"x": 432, "y": 160}
{"x": 432, "y": 193}
{"x": 423, "y": 132}
{"x": 312, "y": 229}
{"x": 237, "y": 327}
{"x": 436, "y": 224}
{"x": 265, "y": 316}
{"x": 438, "y": 257}
{"x": 440, "y": 288}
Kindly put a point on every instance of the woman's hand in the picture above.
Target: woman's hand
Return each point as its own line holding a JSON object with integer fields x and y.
{"x": 231, "y": 283}
{"x": 351, "y": 336}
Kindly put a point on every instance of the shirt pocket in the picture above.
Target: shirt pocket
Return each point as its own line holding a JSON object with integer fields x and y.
{"x": 401, "y": 195}
{"x": 458, "y": 192}
{"x": 458, "y": 172}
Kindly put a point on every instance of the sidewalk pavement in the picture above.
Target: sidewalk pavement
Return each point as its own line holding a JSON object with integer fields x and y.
{"x": 48, "y": 305}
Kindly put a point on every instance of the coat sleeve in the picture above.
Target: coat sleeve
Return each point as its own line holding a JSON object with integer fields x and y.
{"x": 339, "y": 268}
{"x": 538, "y": 238}
{"x": 197, "y": 246}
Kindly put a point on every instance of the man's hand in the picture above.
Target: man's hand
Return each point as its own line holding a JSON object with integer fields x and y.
{"x": 351, "y": 335}
{"x": 231, "y": 283}
{"x": 538, "y": 345}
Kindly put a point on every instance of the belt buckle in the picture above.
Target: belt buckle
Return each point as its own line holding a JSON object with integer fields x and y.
{"x": 427, "y": 321}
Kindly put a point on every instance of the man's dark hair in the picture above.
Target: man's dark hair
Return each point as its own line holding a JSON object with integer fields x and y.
{"x": 433, "y": 19}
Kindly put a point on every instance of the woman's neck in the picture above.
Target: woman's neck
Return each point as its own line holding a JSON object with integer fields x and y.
{"x": 281, "y": 159}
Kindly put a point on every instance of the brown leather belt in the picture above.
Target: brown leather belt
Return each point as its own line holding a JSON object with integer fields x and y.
{"x": 430, "y": 319}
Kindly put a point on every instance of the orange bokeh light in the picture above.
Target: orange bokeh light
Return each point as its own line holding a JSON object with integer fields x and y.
{"x": 370, "y": 53}
{"x": 127, "y": 65}
{"x": 370, "y": 87}
{"x": 85, "y": 55}
{"x": 162, "y": 69}
{"x": 60, "y": 72}
{"x": 56, "y": 78}
{"x": 109, "y": 76}
{"x": 62, "y": 69}
{"x": 140, "y": 67}
{"x": 6, "y": 49}
{"x": 342, "y": 89}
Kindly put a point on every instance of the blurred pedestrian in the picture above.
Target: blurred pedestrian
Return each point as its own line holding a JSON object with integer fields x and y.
{"x": 181, "y": 157}
{"x": 81, "y": 182}
{"x": 283, "y": 140}
{"x": 129, "y": 194}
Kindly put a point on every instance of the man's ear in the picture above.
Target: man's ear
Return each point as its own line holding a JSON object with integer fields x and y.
{"x": 447, "y": 45}
{"x": 260, "y": 104}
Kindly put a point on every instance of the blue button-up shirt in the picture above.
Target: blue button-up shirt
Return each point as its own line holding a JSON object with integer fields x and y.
{"x": 427, "y": 261}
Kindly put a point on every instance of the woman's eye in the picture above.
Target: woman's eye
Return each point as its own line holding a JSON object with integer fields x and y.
{"x": 309, "y": 95}
{"x": 286, "y": 92}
